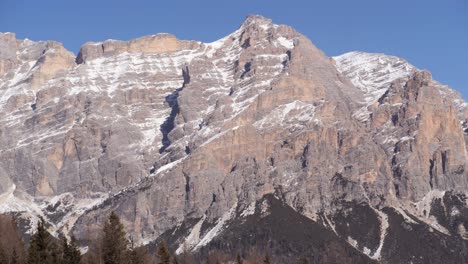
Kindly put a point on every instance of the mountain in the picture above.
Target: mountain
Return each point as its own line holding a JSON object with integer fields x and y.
{"x": 257, "y": 139}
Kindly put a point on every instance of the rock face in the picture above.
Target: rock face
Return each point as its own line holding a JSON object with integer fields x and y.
{"x": 190, "y": 138}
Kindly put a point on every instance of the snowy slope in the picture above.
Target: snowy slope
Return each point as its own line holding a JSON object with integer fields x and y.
{"x": 373, "y": 72}
{"x": 130, "y": 94}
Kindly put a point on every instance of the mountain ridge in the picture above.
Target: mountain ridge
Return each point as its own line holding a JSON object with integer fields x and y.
{"x": 166, "y": 132}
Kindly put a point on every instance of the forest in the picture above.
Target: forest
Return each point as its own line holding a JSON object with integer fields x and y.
{"x": 112, "y": 247}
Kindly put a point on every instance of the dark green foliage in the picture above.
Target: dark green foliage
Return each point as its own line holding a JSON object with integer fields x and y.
{"x": 164, "y": 256}
{"x": 239, "y": 259}
{"x": 139, "y": 255}
{"x": 135, "y": 257}
{"x": 41, "y": 250}
{"x": 302, "y": 260}
{"x": 15, "y": 259}
{"x": 55, "y": 254}
{"x": 71, "y": 252}
{"x": 3, "y": 257}
{"x": 114, "y": 243}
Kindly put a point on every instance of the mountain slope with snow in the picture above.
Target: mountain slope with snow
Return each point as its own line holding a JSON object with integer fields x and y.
{"x": 189, "y": 141}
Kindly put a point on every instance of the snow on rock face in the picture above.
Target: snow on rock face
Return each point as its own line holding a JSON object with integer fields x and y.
{"x": 65, "y": 205}
{"x": 175, "y": 132}
{"x": 373, "y": 73}
{"x": 195, "y": 240}
{"x": 102, "y": 124}
{"x": 250, "y": 210}
{"x": 295, "y": 113}
{"x": 217, "y": 229}
{"x": 9, "y": 202}
{"x": 289, "y": 44}
{"x": 383, "y": 233}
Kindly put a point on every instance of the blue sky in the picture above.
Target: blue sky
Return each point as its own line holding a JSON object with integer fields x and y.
{"x": 431, "y": 34}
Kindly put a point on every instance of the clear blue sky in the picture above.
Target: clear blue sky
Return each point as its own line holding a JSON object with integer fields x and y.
{"x": 431, "y": 34}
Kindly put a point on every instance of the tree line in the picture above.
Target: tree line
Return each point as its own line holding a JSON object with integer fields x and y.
{"x": 113, "y": 247}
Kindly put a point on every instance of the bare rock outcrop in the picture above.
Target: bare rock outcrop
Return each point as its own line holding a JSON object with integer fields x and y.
{"x": 160, "y": 43}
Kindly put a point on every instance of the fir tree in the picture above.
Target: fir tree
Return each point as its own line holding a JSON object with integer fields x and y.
{"x": 65, "y": 249}
{"x": 114, "y": 243}
{"x": 15, "y": 259}
{"x": 74, "y": 254}
{"x": 40, "y": 245}
{"x": 71, "y": 252}
{"x": 3, "y": 256}
{"x": 54, "y": 254}
{"x": 139, "y": 255}
{"x": 239, "y": 259}
{"x": 164, "y": 257}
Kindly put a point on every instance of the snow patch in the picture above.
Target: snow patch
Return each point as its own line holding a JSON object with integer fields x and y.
{"x": 329, "y": 223}
{"x": 11, "y": 203}
{"x": 352, "y": 242}
{"x": 363, "y": 114}
{"x": 366, "y": 251}
{"x": 218, "y": 135}
{"x": 250, "y": 210}
{"x": 265, "y": 208}
{"x": 383, "y": 232}
{"x": 405, "y": 215}
{"x": 406, "y": 138}
{"x": 168, "y": 166}
{"x": 217, "y": 229}
{"x": 193, "y": 238}
{"x": 293, "y": 112}
{"x": 287, "y": 43}
{"x": 423, "y": 207}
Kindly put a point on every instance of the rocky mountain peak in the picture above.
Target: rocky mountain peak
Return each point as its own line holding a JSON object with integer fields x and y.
{"x": 257, "y": 20}
{"x": 188, "y": 138}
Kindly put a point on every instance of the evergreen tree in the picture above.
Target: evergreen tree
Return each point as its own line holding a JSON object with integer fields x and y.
{"x": 15, "y": 259}
{"x": 266, "y": 260}
{"x": 303, "y": 260}
{"x": 71, "y": 252}
{"x": 3, "y": 256}
{"x": 40, "y": 245}
{"x": 139, "y": 255}
{"x": 54, "y": 254}
{"x": 134, "y": 253}
{"x": 114, "y": 243}
{"x": 239, "y": 259}
{"x": 164, "y": 257}
{"x": 74, "y": 253}
{"x": 65, "y": 249}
